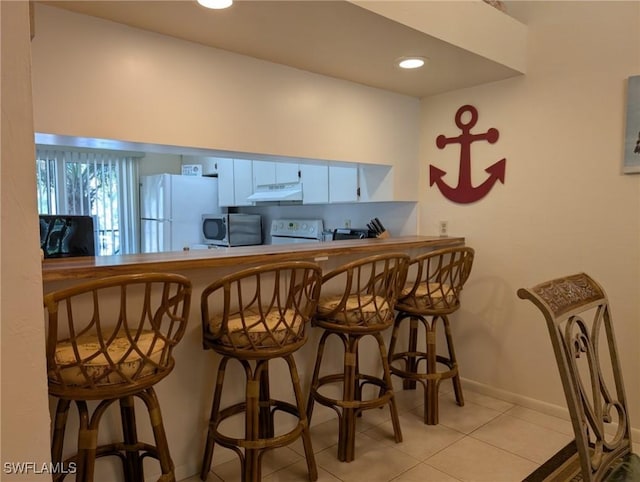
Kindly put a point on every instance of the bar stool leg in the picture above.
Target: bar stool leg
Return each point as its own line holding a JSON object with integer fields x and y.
{"x": 412, "y": 365}
{"x": 453, "y": 362}
{"x": 213, "y": 420}
{"x": 350, "y": 397}
{"x": 150, "y": 399}
{"x": 266, "y": 418}
{"x": 132, "y": 464}
{"x": 433, "y": 379}
{"x": 59, "y": 424}
{"x": 84, "y": 441}
{"x": 393, "y": 409}
{"x": 251, "y": 468}
{"x": 316, "y": 374}
{"x": 306, "y": 435}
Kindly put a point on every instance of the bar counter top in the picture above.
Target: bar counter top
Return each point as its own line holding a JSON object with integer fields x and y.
{"x": 100, "y": 266}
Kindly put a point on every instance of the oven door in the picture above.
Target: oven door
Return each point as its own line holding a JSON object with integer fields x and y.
{"x": 291, "y": 240}
{"x": 215, "y": 230}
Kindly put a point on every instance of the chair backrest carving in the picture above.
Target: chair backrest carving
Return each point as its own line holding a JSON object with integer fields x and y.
{"x": 576, "y": 310}
{"x": 262, "y": 309}
{"x": 116, "y": 331}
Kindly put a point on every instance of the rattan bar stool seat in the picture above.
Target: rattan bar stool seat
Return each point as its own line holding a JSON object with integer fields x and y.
{"x": 364, "y": 307}
{"x": 253, "y": 317}
{"x": 111, "y": 340}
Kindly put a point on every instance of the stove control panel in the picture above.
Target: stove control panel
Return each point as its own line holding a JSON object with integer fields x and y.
{"x": 297, "y": 228}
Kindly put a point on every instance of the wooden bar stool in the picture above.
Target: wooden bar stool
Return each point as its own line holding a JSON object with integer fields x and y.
{"x": 254, "y": 316}
{"x": 432, "y": 292}
{"x": 364, "y": 306}
{"x": 111, "y": 340}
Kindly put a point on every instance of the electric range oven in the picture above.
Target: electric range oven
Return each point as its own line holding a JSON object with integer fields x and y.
{"x": 291, "y": 231}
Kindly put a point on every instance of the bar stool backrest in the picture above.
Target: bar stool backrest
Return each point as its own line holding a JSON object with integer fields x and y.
{"x": 435, "y": 280}
{"x": 262, "y": 309}
{"x": 367, "y": 290}
{"x": 576, "y": 310}
{"x": 114, "y": 334}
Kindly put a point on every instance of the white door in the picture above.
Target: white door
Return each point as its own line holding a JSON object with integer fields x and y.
{"x": 155, "y": 197}
{"x": 315, "y": 183}
{"x": 242, "y": 181}
{"x": 155, "y": 236}
{"x": 286, "y": 172}
{"x": 343, "y": 183}
{"x": 192, "y": 196}
{"x": 226, "y": 191}
{"x": 264, "y": 173}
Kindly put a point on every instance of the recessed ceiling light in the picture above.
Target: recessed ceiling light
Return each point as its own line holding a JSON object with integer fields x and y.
{"x": 217, "y": 4}
{"x": 411, "y": 62}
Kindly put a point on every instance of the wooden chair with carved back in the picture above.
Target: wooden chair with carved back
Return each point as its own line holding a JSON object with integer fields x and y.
{"x": 578, "y": 317}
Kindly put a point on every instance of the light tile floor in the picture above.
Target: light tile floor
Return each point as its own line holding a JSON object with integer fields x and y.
{"x": 486, "y": 440}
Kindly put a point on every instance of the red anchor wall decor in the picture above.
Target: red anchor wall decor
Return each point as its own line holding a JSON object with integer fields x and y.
{"x": 465, "y": 192}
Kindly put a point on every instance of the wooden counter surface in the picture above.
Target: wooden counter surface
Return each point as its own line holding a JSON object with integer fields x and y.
{"x": 101, "y": 266}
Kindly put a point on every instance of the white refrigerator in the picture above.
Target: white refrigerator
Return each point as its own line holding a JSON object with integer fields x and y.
{"x": 171, "y": 209}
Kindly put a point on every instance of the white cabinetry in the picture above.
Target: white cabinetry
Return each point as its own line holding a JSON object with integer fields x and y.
{"x": 343, "y": 183}
{"x": 270, "y": 172}
{"x": 315, "y": 183}
{"x": 375, "y": 183}
{"x": 234, "y": 181}
{"x": 323, "y": 182}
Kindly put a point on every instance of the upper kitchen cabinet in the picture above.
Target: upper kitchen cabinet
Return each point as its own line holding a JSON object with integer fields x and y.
{"x": 343, "y": 183}
{"x": 375, "y": 183}
{"x": 315, "y": 183}
{"x": 269, "y": 172}
{"x": 235, "y": 182}
{"x": 325, "y": 182}
{"x": 360, "y": 183}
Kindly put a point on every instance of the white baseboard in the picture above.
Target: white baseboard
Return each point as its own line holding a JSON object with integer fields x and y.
{"x": 538, "y": 405}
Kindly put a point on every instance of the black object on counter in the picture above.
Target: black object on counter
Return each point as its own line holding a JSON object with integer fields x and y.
{"x": 379, "y": 228}
{"x": 64, "y": 236}
{"x": 353, "y": 233}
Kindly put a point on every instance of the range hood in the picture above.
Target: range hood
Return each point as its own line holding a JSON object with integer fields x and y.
{"x": 277, "y": 192}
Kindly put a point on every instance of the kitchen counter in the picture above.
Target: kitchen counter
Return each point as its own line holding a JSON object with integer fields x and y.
{"x": 101, "y": 266}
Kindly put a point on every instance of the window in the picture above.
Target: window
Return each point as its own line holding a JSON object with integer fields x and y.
{"x": 102, "y": 184}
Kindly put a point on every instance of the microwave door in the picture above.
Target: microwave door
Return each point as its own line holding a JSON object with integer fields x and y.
{"x": 155, "y": 236}
{"x": 214, "y": 230}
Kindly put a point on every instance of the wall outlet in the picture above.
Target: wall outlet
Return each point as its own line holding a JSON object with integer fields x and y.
{"x": 444, "y": 228}
{"x": 347, "y": 223}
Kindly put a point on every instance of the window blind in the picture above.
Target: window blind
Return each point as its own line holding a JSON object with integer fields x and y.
{"x": 102, "y": 184}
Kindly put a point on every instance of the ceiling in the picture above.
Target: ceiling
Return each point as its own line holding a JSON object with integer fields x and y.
{"x": 332, "y": 38}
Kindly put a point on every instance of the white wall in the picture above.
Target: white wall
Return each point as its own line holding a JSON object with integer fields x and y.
{"x": 94, "y": 78}
{"x": 25, "y": 416}
{"x": 565, "y": 207}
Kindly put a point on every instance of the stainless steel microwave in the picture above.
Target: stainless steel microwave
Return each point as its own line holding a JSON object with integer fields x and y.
{"x": 232, "y": 229}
